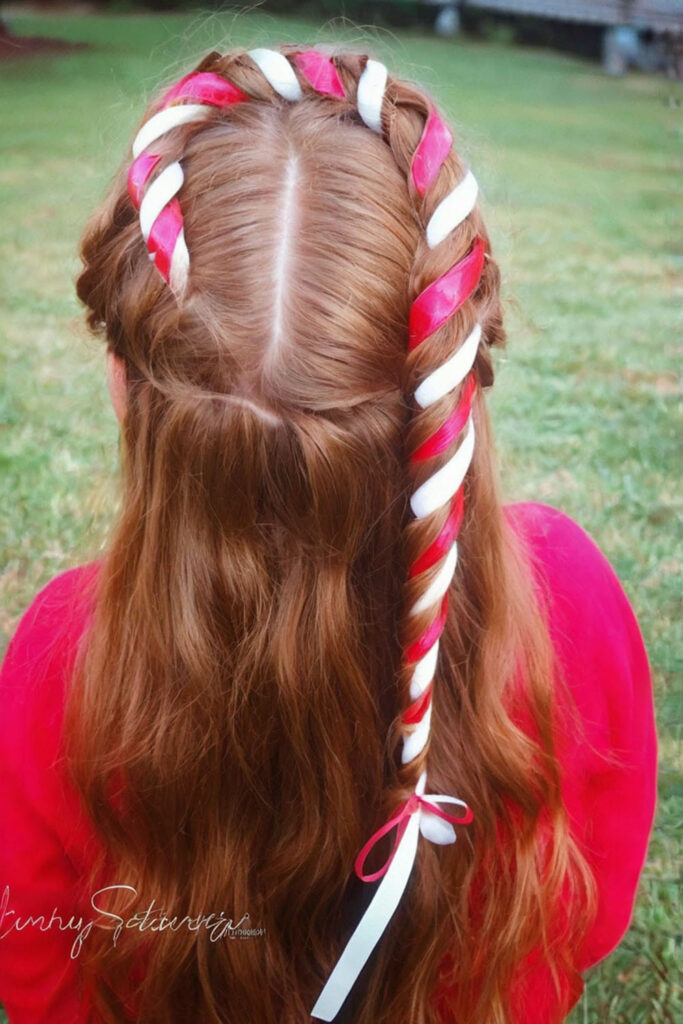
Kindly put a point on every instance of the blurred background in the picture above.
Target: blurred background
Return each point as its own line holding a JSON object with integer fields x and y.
{"x": 571, "y": 115}
{"x": 621, "y": 34}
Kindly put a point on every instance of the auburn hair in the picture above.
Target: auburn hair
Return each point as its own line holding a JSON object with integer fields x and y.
{"x": 233, "y": 718}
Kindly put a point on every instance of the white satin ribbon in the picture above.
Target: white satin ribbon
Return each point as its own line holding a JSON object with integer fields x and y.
{"x": 158, "y": 195}
{"x": 451, "y": 373}
{"x": 452, "y": 210}
{"x": 370, "y": 94}
{"x": 424, "y": 670}
{"x": 277, "y": 70}
{"x": 442, "y": 485}
{"x": 164, "y": 120}
{"x": 440, "y": 584}
{"x": 416, "y": 740}
{"x": 371, "y": 926}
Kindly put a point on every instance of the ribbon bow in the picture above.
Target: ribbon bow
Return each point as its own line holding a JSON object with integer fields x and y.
{"x": 420, "y": 813}
{"x": 437, "y": 831}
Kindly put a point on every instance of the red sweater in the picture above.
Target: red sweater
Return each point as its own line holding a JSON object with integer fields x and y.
{"x": 44, "y": 850}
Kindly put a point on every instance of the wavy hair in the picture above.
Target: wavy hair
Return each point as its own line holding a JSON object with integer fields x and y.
{"x": 233, "y": 721}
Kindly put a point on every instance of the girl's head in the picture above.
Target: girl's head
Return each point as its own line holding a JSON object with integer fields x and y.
{"x": 293, "y": 209}
{"x": 282, "y": 641}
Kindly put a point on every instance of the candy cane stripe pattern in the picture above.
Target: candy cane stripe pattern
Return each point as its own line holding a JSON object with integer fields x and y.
{"x": 194, "y": 98}
{"x": 161, "y": 220}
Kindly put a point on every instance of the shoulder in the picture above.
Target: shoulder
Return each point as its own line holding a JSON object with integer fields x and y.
{"x": 41, "y": 652}
{"x": 608, "y": 754}
{"x": 593, "y": 625}
{"x": 47, "y": 851}
{"x": 556, "y": 540}
{"x": 575, "y": 575}
{"x": 58, "y": 606}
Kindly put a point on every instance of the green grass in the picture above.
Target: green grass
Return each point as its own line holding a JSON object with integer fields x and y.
{"x": 580, "y": 180}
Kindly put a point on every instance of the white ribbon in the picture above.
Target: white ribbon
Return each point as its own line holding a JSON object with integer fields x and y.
{"x": 370, "y": 94}
{"x": 415, "y": 741}
{"x": 164, "y": 120}
{"x": 277, "y": 71}
{"x": 159, "y": 194}
{"x": 452, "y": 210}
{"x": 451, "y": 373}
{"x": 442, "y": 485}
{"x": 440, "y": 584}
{"x": 424, "y": 671}
{"x": 384, "y": 902}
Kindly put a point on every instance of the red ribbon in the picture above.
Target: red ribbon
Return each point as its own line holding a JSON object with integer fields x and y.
{"x": 400, "y": 822}
{"x": 439, "y": 547}
{"x": 138, "y": 175}
{"x": 200, "y": 87}
{"x": 416, "y": 711}
{"x": 431, "y": 634}
{"x": 431, "y": 152}
{"x": 443, "y": 297}
{"x": 204, "y": 87}
{"x": 320, "y": 71}
{"x": 449, "y": 431}
{"x": 163, "y": 236}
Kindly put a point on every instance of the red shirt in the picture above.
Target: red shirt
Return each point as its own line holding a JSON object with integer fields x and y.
{"x": 45, "y": 846}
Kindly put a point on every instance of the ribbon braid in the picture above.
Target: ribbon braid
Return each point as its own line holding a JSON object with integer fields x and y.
{"x": 442, "y": 491}
{"x": 194, "y": 98}
{"x": 161, "y": 219}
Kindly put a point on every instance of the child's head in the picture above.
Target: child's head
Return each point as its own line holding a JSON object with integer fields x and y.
{"x": 293, "y": 272}
{"x": 306, "y": 238}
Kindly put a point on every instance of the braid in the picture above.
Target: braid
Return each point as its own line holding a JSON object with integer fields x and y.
{"x": 449, "y": 267}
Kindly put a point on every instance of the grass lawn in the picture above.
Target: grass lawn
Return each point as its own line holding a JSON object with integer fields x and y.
{"x": 580, "y": 177}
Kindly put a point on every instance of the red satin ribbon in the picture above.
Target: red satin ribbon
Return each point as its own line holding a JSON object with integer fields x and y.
{"x": 320, "y": 71}
{"x": 200, "y": 87}
{"x": 448, "y": 432}
{"x": 400, "y": 822}
{"x": 416, "y": 711}
{"x": 443, "y": 297}
{"x": 432, "y": 150}
{"x": 138, "y": 176}
{"x": 449, "y": 531}
{"x": 429, "y": 637}
{"x": 162, "y": 237}
{"x": 204, "y": 87}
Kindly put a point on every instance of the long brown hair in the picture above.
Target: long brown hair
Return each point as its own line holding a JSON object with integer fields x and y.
{"x": 233, "y": 722}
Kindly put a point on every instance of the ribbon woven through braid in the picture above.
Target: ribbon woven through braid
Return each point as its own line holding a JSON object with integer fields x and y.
{"x": 194, "y": 98}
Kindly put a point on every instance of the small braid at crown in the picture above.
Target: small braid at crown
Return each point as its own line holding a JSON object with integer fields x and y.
{"x": 194, "y": 98}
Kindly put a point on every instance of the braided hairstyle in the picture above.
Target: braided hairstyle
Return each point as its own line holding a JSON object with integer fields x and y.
{"x": 441, "y": 381}
{"x": 453, "y": 318}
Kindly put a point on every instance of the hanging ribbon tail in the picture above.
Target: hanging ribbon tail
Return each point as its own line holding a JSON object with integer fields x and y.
{"x": 371, "y": 926}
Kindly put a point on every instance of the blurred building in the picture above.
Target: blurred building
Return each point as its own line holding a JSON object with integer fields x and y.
{"x": 647, "y": 34}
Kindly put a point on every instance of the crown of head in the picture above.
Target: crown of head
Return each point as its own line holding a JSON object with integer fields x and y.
{"x": 196, "y": 97}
